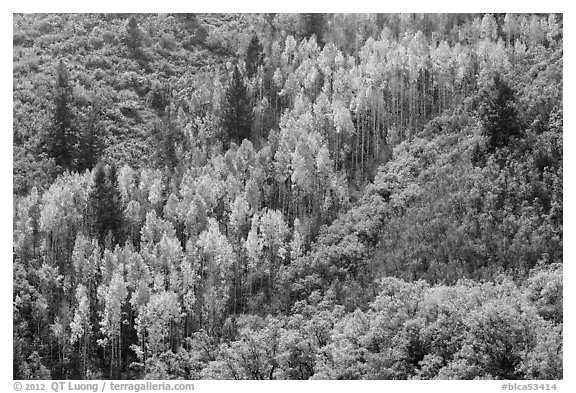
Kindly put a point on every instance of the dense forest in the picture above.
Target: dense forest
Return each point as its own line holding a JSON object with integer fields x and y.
{"x": 287, "y": 196}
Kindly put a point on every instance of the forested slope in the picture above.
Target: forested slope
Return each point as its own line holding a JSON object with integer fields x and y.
{"x": 288, "y": 196}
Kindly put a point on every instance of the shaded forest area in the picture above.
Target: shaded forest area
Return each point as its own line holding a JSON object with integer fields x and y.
{"x": 277, "y": 196}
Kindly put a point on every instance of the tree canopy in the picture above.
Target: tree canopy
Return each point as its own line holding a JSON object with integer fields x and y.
{"x": 280, "y": 196}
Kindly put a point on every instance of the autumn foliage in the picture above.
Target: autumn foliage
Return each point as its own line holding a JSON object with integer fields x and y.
{"x": 288, "y": 196}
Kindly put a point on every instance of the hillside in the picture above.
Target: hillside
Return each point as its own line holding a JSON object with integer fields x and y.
{"x": 275, "y": 196}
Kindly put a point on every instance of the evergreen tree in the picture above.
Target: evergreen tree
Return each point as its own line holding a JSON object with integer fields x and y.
{"x": 497, "y": 112}
{"x": 115, "y": 211}
{"x": 167, "y": 135}
{"x": 97, "y": 204}
{"x": 237, "y": 110}
{"x": 254, "y": 56}
{"x": 105, "y": 211}
{"x": 62, "y": 134}
{"x": 313, "y": 24}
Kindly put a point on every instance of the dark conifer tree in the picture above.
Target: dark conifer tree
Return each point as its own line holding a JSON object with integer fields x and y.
{"x": 105, "y": 211}
{"x": 167, "y": 136}
{"x": 498, "y": 113}
{"x": 237, "y": 110}
{"x": 62, "y": 137}
{"x": 115, "y": 211}
{"x": 254, "y": 56}
{"x": 97, "y": 203}
{"x": 313, "y": 24}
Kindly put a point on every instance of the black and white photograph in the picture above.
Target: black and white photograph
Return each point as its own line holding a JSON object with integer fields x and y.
{"x": 287, "y": 196}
